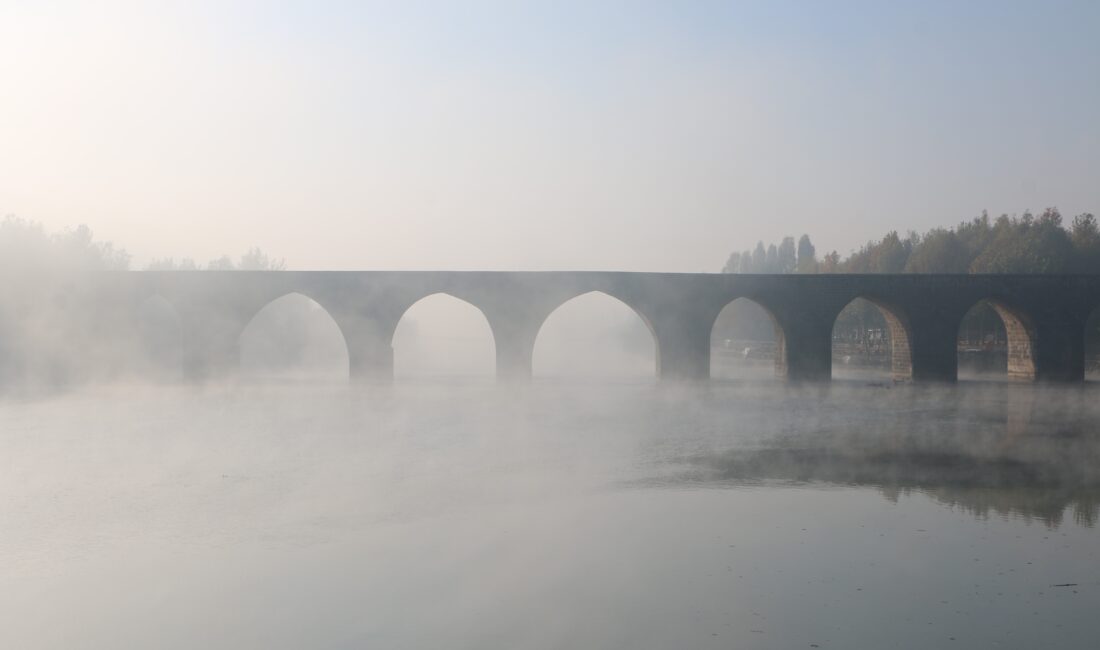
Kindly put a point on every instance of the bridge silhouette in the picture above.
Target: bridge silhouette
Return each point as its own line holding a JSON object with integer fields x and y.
{"x": 1044, "y": 315}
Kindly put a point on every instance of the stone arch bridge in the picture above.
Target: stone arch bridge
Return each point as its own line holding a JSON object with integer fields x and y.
{"x": 1044, "y": 315}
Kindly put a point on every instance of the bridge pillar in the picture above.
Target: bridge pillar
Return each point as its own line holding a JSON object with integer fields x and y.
{"x": 514, "y": 358}
{"x": 808, "y": 347}
{"x": 682, "y": 334}
{"x": 209, "y": 351}
{"x": 515, "y": 327}
{"x": 370, "y": 355}
{"x": 1060, "y": 353}
{"x": 372, "y": 362}
{"x": 934, "y": 348}
{"x": 683, "y": 350}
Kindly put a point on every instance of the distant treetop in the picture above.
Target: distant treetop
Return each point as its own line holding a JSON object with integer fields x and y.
{"x": 26, "y": 246}
{"x": 254, "y": 260}
{"x": 1007, "y": 244}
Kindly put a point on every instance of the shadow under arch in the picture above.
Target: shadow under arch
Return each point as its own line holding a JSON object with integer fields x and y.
{"x": 859, "y": 334}
{"x": 293, "y": 337}
{"x": 454, "y": 354}
{"x": 1006, "y": 343}
{"x": 158, "y": 340}
{"x": 576, "y": 343}
{"x": 744, "y": 334}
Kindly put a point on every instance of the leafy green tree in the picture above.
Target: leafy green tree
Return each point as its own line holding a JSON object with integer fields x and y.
{"x": 746, "y": 262}
{"x": 939, "y": 251}
{"x": 859, "y": 261}
{"x": 44, "y": 343}
{"x": 889, "y": 255}
{"x": 223, "y": 263}
{"x": 786, "y": 259}
{"x": 759, "y": 258}
{"x": 256, "y": 260}
{"x": 1027, "y": 245}
{"x": 733, "y": 264}
{"x": 807, "y": 261}
{"x": 977, "y": 234}
{"x": 26, "y": 247}
{"x": 1085, "y": 236}
{"x": 1007, "y": 244}
{"x": 830, "y": 263}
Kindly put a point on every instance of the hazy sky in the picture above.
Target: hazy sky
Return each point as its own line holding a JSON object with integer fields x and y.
{"x": 558, "y": 135}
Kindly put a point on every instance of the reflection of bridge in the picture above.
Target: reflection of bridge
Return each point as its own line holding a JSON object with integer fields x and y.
{"x": 1044, "y": 316}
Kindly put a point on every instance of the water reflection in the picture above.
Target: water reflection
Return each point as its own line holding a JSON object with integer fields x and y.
{"x": 444, "y": 514}
{"x": 1012, "y": 451}
{"x": 979, "y": 486}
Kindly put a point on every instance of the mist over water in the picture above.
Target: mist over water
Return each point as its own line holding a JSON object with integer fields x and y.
{"x": 445, "y": 513}
{"x": 225, "y": 423}
{"x": 592, "y": 506}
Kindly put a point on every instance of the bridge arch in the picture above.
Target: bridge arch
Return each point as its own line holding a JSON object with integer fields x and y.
{"x": 293, "y": 337}
{"x": 744, "y": 338}
{"x": 869, "y": 333}
{"x": 443, "y": 335}
{"x": 996, "y": 337}
{"x": 596, "y": 333}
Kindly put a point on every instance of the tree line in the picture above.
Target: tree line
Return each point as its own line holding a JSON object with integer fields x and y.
{"x": 25, "y": 245}
{"x": 253, "y": 260}
{"x": 54, "y": 333}
{"x": 1008, "y": 244}
{"x": 784, "y": 258}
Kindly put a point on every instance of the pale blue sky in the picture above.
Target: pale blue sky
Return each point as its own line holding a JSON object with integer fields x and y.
{"x": 508, "y": 135}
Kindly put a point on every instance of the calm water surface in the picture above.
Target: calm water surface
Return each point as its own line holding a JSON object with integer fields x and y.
{"x": 440, "y": 515}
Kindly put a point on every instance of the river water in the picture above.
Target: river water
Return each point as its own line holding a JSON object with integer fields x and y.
{"x": 551, "y": 515}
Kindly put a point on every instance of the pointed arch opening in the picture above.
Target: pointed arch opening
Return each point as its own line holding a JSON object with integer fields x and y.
{"x": 871, "y": 341}
{"x": 441, "y": 336}
{"x": 996, "y": 341}
{"x": 747, "y": 342}
{"x": 157, "y": 344}
{"x": 291, "y": 339}
{"x": 595, "y": 335}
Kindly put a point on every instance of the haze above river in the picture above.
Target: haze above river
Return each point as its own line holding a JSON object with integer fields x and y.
{"x": 592, "y": 514}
